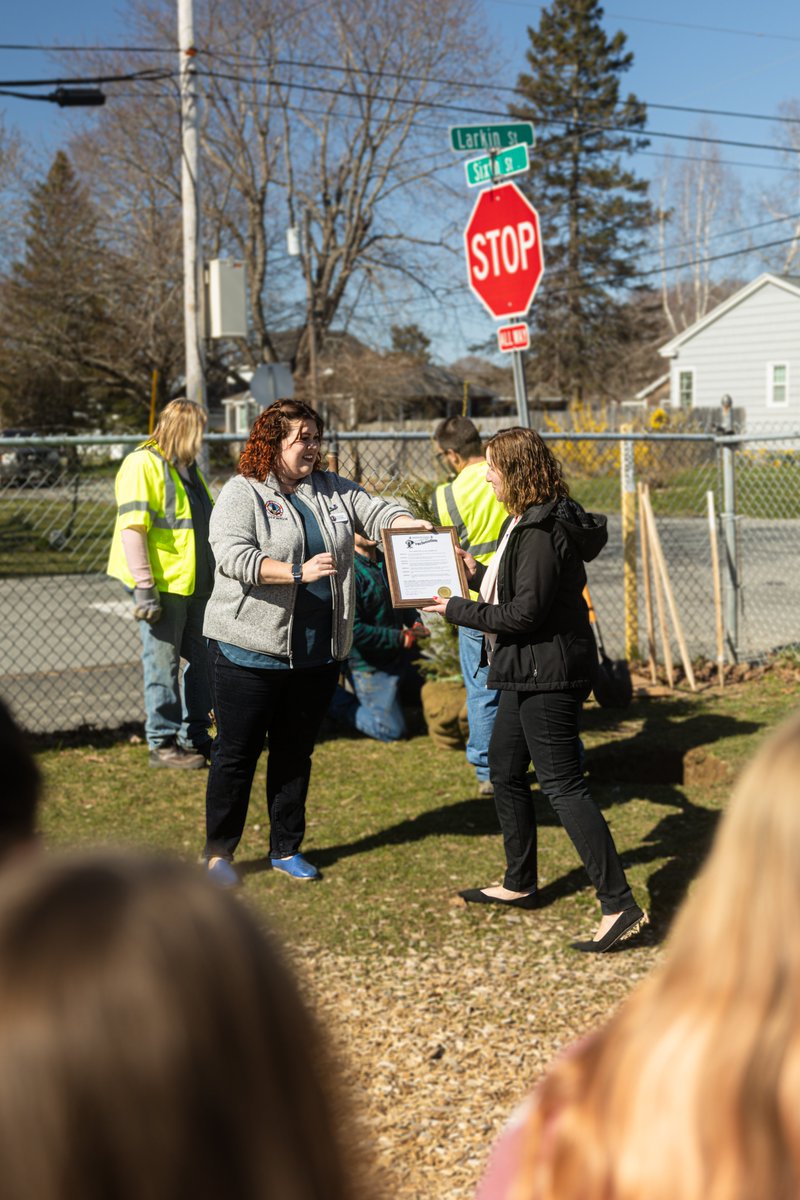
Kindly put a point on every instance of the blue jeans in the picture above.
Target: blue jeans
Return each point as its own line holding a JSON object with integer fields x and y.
{"x": 481, "y": 700}
{"x": 375, "y": 708}
{"x": 176, "y": 705}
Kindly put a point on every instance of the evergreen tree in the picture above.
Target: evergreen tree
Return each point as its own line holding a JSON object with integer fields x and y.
{"x": 594, "y": 212}
{"x": 50, "y": 308}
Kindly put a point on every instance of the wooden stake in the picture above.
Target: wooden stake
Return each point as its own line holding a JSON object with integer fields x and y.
{"x": 658, "y": 555}
{"x": 648, "y": 591}
{"x": 662, "y": 622}
{"x": 712, "y": 533}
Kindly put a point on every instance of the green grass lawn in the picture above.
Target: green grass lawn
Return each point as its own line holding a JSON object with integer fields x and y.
{"x": 442, "y": 1014}
{"x": 397, "y": 829}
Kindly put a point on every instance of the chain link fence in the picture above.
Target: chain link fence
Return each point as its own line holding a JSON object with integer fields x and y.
{"x": 69, "y": 648}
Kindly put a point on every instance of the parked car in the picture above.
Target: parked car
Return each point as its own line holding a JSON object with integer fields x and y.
{"x": 28, "y": 465}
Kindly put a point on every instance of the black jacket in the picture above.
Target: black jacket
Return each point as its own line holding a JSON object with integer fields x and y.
{"x": 544, "y": 639}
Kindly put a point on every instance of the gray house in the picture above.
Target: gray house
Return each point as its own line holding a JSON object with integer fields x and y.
{"x": 748, "y": 348}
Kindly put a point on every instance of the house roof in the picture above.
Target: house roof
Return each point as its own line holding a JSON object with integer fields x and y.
{"x": 789, "y": 283}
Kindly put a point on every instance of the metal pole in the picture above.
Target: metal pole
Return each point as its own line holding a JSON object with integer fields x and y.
{"x": 520, "y": 389}
{"x": 729, "y": 535}
{"x": 190, "y": 197}
{"x": 313, "y": 381}
{"x": 628, "y": 505}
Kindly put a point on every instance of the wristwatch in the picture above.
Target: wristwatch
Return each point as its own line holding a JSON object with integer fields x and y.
{"x": 297, "y": 572}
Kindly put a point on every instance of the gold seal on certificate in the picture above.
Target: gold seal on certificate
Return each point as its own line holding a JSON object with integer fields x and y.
{"x": 423, "y": 564}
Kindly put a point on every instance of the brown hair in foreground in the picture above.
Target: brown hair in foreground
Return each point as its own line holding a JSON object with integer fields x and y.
{"x": 263, "y": 448}
{"x": 20, "y": 790}
{"x": 692, "y": 1091}
{"x": 531, "y": 474}
{"x": 153, "y": 1043}
{"x": 180, "y": 430}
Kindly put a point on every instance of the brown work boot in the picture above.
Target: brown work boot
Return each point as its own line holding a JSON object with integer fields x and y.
{"x": 172, "y": 755}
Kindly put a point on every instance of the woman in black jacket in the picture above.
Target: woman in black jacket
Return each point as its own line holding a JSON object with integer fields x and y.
{"x": 542, "y": 658}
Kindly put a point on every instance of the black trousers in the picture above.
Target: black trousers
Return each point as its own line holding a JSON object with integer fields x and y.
{"x": 251, "y": 704}
{"x": 542, "y": 727}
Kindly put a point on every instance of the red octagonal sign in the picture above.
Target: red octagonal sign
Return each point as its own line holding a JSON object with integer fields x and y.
{"x": 504, "y": 251}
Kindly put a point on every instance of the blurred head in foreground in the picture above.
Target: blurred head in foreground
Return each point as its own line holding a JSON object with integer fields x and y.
{"x": 153, "y": 1043}
{"x": 692, "y": 1091}
{"x": 20, "y": 788}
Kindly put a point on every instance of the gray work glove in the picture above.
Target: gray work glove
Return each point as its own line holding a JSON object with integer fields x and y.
{"x": 146, "y": 605}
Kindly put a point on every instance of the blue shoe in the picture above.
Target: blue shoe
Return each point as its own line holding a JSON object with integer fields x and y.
{"x": 221, "y": 872}
{"x": 296, "y": 866}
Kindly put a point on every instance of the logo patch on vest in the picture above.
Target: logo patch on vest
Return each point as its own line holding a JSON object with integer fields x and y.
{"x": 273, "y": 508}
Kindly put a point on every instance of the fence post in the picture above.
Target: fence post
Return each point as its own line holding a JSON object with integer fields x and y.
{"x": 628, "y": 508}
{"x": 332, "y": 454}
{"x": 729, "y": 534}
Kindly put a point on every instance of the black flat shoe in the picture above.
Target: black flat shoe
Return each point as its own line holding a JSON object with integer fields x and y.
{"x": 629, "y": 922}
{"x": 477, "y": 896}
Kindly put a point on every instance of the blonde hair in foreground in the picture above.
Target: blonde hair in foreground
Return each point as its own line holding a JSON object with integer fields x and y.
{"x": 692, "y": 1091}
{"x": 153, "y": 1043}
{"x": 180, "y": 430}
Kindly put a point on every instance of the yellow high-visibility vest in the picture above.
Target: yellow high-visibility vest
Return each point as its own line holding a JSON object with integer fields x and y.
{"x": 151, "y": 493}
{"x": 469, "y": 504}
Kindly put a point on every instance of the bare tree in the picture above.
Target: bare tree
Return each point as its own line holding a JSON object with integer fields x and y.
{"x": 697, "y": 201}
{"x": 313, "y": 115}
{"x": 783, "y": 202}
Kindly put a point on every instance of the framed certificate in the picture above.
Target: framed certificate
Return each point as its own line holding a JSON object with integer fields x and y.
{"x": 421, "y": 564}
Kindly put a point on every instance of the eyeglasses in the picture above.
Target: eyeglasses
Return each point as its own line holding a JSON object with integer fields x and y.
{"x": 440, "y": 454}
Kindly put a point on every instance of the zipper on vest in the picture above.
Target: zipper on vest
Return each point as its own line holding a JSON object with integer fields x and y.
{"x": 295, "y": 586}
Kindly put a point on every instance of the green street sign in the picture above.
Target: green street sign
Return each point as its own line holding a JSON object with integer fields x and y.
{"x": 491, "y": 137}
{"x": 494, "y": 166}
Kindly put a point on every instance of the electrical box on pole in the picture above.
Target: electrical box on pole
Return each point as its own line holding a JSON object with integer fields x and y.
{"x": 226, "y": 298}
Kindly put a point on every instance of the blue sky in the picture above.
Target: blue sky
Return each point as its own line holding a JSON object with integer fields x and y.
{"x": 732, "y": 56}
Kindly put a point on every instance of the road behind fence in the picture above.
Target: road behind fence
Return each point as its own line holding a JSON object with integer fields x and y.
{"x": 69, "y": 648}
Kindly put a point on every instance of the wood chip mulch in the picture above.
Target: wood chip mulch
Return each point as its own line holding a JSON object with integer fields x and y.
{"x": 437, "y": 1049}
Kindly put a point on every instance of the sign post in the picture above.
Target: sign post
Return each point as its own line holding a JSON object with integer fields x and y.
{"x": 505, "y": 264}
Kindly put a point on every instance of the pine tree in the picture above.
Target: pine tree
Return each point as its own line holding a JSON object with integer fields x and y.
{"x": 594, "y": 212}
{"x": 50, "y": 307}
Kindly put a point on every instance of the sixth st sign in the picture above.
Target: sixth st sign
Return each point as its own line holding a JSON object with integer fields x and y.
{"x": 503, "y": 247}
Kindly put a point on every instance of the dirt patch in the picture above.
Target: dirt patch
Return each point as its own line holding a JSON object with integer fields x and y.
{"x": 701, "y": 768}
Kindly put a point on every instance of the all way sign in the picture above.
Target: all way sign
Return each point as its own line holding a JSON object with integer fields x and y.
{"x": 513, "y": 337}
{"x": 513, "y": 161}
{"x": 491, "y": 137}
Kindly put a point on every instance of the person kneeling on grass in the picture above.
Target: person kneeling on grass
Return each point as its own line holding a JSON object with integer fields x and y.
{"x": 381, "y": 669}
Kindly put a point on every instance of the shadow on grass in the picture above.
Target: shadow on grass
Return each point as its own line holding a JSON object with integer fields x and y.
{"x": 652, "y": 758}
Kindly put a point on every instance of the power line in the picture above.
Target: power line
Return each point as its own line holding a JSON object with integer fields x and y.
{"x": 259, "y": 60}
{"x": 570, "y": 126}
{"x": 311, "y": 64}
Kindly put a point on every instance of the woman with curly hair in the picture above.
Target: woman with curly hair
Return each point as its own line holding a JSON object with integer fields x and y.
{"x": 542, "y": 658}
{"x": 691, "y": 1090}
{"x": 280, "y": 624}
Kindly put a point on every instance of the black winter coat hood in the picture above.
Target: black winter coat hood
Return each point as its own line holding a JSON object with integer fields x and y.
{"x": 543, "y": 639}
{"x": 587, "y": 532}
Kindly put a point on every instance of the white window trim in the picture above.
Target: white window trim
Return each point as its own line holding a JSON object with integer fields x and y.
{"x": 771, "y": 385}
{"x": 685, "y": 371}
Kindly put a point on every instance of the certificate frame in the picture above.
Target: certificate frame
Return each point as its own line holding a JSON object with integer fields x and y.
{"x": 401, "y": 585}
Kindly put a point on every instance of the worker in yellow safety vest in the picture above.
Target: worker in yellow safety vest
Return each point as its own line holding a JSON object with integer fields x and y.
{"x": 469, "y": 504}
{"x": 160, "y": 552}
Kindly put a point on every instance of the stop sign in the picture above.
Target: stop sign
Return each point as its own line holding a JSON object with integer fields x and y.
{"x": 504, "y": 251}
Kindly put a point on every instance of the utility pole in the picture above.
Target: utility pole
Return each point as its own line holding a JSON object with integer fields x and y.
{"x": 190, "y": 196}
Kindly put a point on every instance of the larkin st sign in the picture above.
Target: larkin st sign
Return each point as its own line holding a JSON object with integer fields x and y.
{"x": 490, "y": 137}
